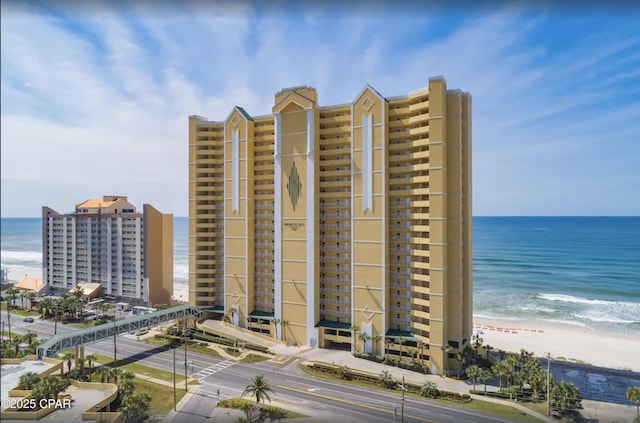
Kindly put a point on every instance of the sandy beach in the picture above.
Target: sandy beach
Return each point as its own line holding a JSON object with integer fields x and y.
{"x": 562, "y": 341}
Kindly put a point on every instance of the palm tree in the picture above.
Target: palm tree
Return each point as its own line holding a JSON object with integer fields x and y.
{"x": 633, "y": 395}
{"x": 461, "y": 358}
{"x": 76, "y": 292}
{"x": 30, "y": 295}
{"x": 21, "y": 295}
{"x": 473, "y": 372}
{"x": 12, "y": 294}
{"x": 488, "y": 348}
{"x": 485, "y": 376}
{"x": 114, "y": 373}
{"x": 104, "y": 374}
{"x": 29, "y": 380}
{"x": 400, "y": 341}
{"x": 421, "y": 345}
{"x": 364, "y": 338}
{"x": 429, "y": 389}
{"x": 345, "y": 372}
{"x": 53, "y": 386}
{"x": 446, "y": 348}
{"x": 44, "y": 306}
{"x": 387, "y": 341}
{"x": 30, "y": 338}
{"x": 387, "y": 380}
{"x": 91, "y": 358}
{"x": 259, "y": 388}
{"x": 134, "y": 407}
{"x": 502, "y": 372}
{"x": 566, "y": 396}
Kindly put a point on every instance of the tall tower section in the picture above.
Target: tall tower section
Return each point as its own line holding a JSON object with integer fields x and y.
{"x": 296, "y": 213}
{"x": 345, "y": 225}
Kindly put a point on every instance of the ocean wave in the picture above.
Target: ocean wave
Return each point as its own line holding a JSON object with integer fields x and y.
{"x": 604, "y": 319}
{"x": 496, "y": 316}
{"x": 568, "y": 322}
{"x": 20, "y": 257}
{"x": 579, "y": 300}
{"x": 537, "y": 309}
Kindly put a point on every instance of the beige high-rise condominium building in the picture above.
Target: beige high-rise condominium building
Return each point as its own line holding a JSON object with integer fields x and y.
{"x": 347, "y": 224}
{"x": 106, "y": 241}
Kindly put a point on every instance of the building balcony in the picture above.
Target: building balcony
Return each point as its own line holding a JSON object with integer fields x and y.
{"x": 420, "y": 130}
{"x": 342, "y": 119}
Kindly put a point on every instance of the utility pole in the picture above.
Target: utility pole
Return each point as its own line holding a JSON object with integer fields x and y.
{"x": 9, "y": 321}
{"x": 402, "y": 407}
{"x": 548, "y": 384}
{"x": 174, "y": 378}
{"x": 115, "y": 330}
{"x": 186, "y": 333}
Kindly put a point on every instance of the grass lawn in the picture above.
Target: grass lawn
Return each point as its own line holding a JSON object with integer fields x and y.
{"x": 478, "y": 405}
{"x": 275, "y": 413}
{"x": 196, "y": 348}
{"x": 491, "y": 408}
{"x": 144, "y": 370}
{"x": 254, "y": 358}
{"x": 161, "y": 396}
{"x": 20, "y": 312}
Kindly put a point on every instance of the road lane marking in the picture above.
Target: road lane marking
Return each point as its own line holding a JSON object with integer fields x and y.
{"x": 371, "y": 407}
{"x": 280, "y": 359}
{"x": 214, "y": 369}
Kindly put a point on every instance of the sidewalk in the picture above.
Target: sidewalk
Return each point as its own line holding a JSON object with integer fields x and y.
{"x": 345, "y": 358}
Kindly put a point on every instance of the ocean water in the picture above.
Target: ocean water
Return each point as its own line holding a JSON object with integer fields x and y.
{"x": 583, "y": 271}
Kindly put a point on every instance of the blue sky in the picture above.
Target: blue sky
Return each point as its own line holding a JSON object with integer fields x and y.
{"x": 95, "y": 96}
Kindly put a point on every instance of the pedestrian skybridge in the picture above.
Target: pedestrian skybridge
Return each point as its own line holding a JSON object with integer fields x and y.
{"x": 79, "y": 337}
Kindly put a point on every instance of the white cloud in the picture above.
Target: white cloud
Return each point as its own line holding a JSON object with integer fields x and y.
{"x": 95, "y": 100}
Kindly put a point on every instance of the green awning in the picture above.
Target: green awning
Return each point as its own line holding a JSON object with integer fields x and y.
{"x": 394, "y": 333}
{"x": 333, "y": 325}
{"x": 262, "y": 314}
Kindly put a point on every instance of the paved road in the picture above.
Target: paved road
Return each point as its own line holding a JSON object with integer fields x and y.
{"x": 293, "y": 386}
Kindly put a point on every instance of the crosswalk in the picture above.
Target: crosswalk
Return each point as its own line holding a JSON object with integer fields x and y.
{"x": 214, "y": 369}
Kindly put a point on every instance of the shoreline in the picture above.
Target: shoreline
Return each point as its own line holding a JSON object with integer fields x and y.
{"x": 565, "y": 342}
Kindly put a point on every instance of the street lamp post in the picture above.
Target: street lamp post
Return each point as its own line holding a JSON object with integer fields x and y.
{"x": 402, "y": 407}
{"x": 174, "y": 378}
{"x": 548, "y": 384}
{"x": 115, "y": 330}
{"x": 55, "y": 322}
{"x": 186, "y": 334}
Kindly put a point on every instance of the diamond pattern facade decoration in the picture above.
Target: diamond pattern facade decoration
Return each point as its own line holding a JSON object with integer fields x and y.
{"x": 294, "y": 186}
{"x": 367, "y": 313}
{"x": 235, "y": 121}
{"x": 367, "y": 104}
{"x": 235, "y": 297}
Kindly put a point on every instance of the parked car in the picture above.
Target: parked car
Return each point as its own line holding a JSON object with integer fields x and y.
{"x": 28, "y": 319}
{"x": 142, "y": 331}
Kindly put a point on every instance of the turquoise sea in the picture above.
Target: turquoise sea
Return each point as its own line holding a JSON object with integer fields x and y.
{"x": 583, "y": 271}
